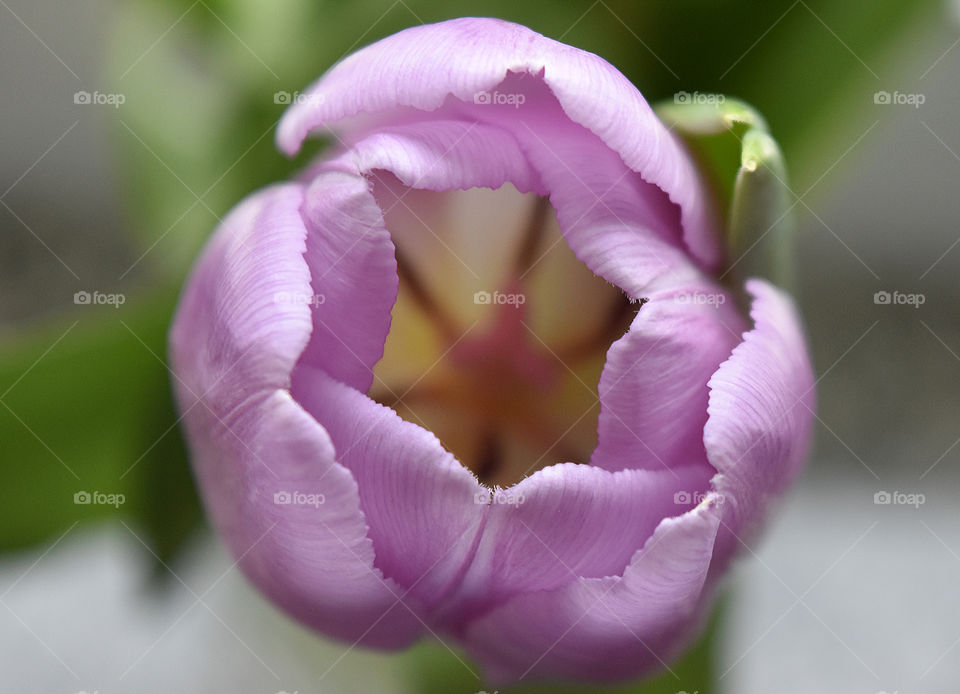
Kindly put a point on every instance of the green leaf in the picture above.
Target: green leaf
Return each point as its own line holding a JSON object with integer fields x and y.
{"x": 86, "y": 406}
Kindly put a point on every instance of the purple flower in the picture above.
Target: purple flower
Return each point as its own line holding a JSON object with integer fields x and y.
{"x": 596, "y": 561}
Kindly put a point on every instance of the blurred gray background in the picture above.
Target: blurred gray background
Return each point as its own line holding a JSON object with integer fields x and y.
{"x": 842, "y": 595}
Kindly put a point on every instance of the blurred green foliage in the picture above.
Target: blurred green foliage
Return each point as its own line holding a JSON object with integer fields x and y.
{"x": 196, "y": 134}
{"x": 201, "y": 111}
{"x": 87, "y": 408}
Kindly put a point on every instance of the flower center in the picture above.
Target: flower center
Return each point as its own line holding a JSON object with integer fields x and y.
{"x": 499, "y": 333}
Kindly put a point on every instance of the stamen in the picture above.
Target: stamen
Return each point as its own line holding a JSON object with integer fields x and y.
{"x": 489, "y": 457}
{"x": 619, "y": 317}
{"x": 532, "y": 237}
{"x": 421, "y": 296}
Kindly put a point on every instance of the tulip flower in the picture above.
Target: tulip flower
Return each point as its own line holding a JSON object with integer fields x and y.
{"x": 473, "y": 375}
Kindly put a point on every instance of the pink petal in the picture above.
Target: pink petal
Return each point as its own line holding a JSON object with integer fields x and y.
{"x": 760, "y": 413}
{"x": 605, "y": 629}
{"x": 623, "y": 228}
{"x": 653, "y": 390}
{"x": 232, "y": 286}
{"x": 353, "y": 277}
{"x": 594, "y": 575}
{"x": 420, "y": 67}
{"x": 761, "y": 409}
{"x": 441, "y": 154}
{"x": 568, "y": 522}
{"x": 232, "y": 347}
{"x": 421, "y": 504}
